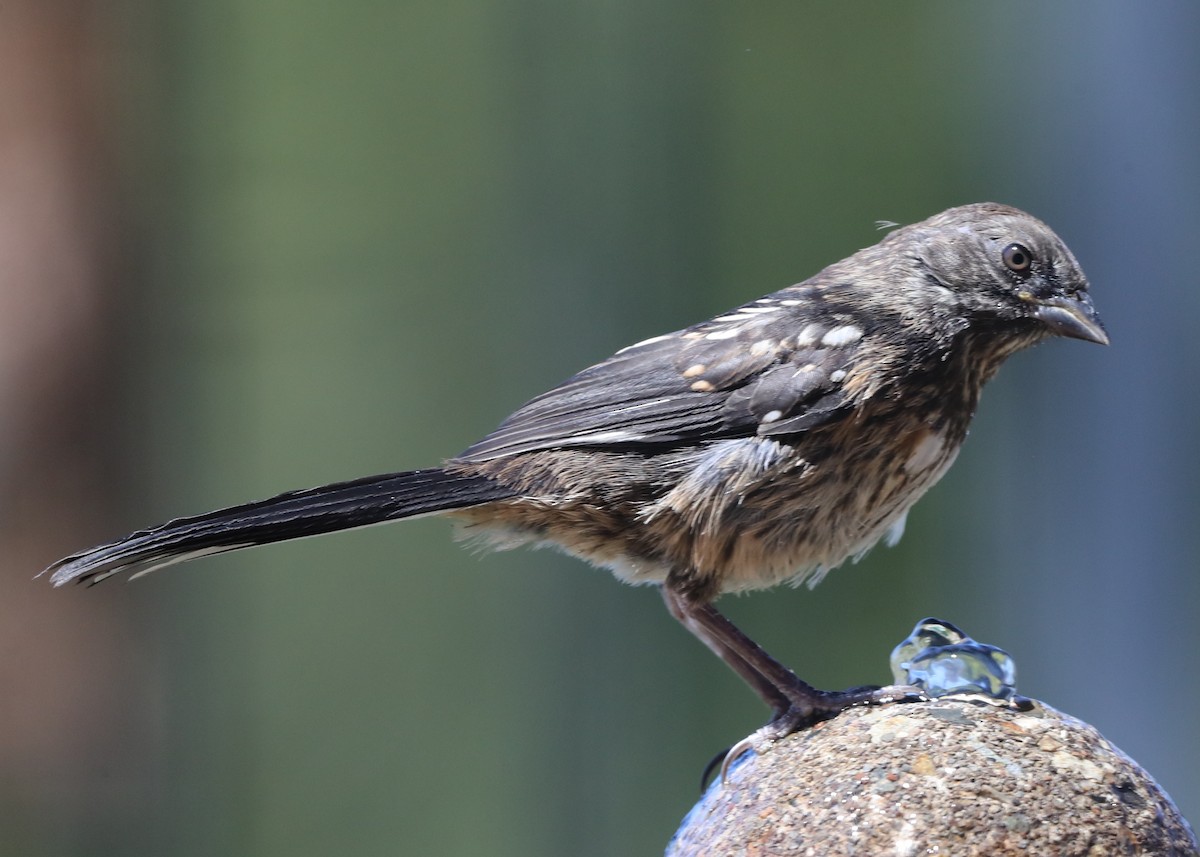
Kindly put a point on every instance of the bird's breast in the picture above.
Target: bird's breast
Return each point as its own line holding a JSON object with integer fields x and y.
{"x": 849, "y": 497}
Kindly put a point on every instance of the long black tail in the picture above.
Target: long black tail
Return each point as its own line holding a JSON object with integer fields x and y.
{"x": 294, "y": 515}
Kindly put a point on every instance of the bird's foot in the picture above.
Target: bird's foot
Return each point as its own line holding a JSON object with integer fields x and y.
{"x": 809, "y": 709}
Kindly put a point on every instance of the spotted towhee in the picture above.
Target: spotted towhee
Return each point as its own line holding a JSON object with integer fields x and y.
{"x": 766, "y": 445}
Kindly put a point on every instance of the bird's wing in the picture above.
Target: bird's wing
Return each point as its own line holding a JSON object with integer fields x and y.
{"x": 762, "y": 369}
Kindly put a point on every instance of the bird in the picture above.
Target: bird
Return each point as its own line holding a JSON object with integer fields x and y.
{"x": 766, "y": 445}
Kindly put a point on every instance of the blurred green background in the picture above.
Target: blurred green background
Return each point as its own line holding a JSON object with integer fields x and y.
{"x": 301, "y": 242}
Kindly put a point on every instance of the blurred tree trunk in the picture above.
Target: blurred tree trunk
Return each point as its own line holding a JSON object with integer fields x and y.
{"x": 67, "y": 768}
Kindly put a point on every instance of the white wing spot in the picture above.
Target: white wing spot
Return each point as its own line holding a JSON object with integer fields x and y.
{"x": 694, "y": 370}
{"x": 650, "y": 341}
{"x": 772, "y": 416}
{"x": 743, "y": 313}
{"x": 842, "y": 335}
{"x": 790, "y": 303}
{"x": 809, "y": 336}
{"x": 703, "y": 387}
{"x": 837, "y": 375}
{"x": 763, "y": 346}
{"x": 606, "y": 437}
{"x": 728, "y": 333}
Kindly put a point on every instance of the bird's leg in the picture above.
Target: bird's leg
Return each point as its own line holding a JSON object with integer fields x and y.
{"x": 681, "y": 609}
{"x": 795, "y": 703}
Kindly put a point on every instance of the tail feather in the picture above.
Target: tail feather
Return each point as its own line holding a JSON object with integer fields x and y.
{"x": 294, "y": 515}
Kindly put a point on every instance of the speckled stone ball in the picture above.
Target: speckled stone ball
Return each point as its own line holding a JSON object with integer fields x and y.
{"x": 952, "y": 777}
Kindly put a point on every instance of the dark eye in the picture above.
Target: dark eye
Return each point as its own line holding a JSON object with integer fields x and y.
{"x": 1017, "y": 258}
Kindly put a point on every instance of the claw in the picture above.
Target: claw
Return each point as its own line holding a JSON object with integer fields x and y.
{"x": 743, "y": 746}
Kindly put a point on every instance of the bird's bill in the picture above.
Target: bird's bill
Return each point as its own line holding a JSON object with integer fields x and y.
{"x": 1074, "y": 317}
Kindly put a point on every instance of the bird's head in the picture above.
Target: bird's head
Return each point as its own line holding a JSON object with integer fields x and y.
{"x": 1004, "y": 268}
